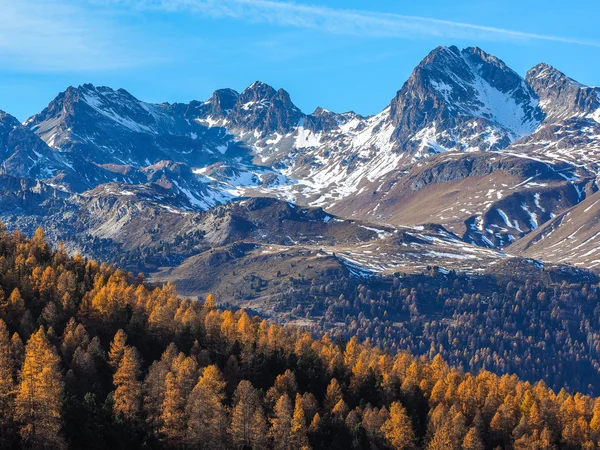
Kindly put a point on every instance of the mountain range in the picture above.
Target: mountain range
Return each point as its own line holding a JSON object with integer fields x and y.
{"x": 468, "y": 167}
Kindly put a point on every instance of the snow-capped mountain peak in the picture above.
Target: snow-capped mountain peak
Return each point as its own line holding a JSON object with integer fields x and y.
{"x": 562, "y": 97}
{"x": 262, "y": 108}
{"x": 463, "y": 100}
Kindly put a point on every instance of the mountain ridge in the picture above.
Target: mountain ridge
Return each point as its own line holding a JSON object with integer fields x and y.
{"x": 501, "y": 148}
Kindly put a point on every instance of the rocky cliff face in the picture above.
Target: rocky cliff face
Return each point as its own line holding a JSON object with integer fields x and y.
{"x": 106, "y": 126}
{"x": 24, "y": 154}
{"x": 263, "y": 109}
{"x": 462, "y": 100}
{"x": 561, "y": 97}
{"x": 571, "y": 127}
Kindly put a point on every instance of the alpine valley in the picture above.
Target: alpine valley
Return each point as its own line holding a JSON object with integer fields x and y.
{"x": 471, "y": 179}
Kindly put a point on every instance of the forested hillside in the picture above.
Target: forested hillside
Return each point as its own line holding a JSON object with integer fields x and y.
{"x": 91, "y": 357}
{"x": 539, "y": 330}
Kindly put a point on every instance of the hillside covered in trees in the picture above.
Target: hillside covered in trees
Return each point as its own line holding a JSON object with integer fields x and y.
{"x": 540, "y": 329}
{"x": 91, "y": 357}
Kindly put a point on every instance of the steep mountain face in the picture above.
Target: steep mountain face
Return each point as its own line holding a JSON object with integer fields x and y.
{"x": 561, "y": 97}
{"x": 462, "y": 100}
{"x": 106, "y": 126}
{"x": 571, "y": 128}
{"x": 454, "y": 101}
{"x": 261, "y": 108}
{"x": 24, "y": 154}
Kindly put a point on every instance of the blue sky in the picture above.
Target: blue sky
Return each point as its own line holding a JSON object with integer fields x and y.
{"x": 341, "y": 55}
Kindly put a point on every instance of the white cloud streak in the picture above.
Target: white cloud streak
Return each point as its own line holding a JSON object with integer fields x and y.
{"x": 91, "y": 35}
{"x": 59, "y": 36}
{"x": 343, "y": 21}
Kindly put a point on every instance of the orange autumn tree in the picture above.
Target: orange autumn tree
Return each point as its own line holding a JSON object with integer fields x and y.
{"x": 398, "y": 428}
{"x": 207, "y": 423}
{"x": 117, "y": 348}
{"x": 248, "y": 427}
{"x": 39, "y": 399}
{"x": 7, "y": 387}
{"x": 128, "y": 387}
{"x": 178, "y": 386}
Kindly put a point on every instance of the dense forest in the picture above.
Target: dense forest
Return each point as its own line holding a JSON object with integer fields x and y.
{"x": 545, "y": 328}
{"x": 91, "y": 357}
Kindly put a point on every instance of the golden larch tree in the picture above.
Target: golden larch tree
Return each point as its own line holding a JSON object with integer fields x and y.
{"x": 117, "y": 347}
{"x": 127, "y": 396}
{"x": 281, "y": 423}
{"x": 173, "y": 418}
{"x": 39, "y": 399}
{"x": 333, "y": 394}
{"x": 7, "y": 387}
{"x": 247, "y": 417}
{"x": 178, "y": 386}
{"x": 299, "y": 432}
{"x": 207, "y": 423}
{"x": 473, "y": 440}
{"x": 595, "y": 421}
{"x": 398, "y": 428}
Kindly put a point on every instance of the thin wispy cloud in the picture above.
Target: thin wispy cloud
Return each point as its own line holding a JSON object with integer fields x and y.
{"x": 58, "y": 36}
{"x": 343, "y": 21}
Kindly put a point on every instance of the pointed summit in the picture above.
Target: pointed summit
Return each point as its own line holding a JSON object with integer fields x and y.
{"x": 23, "y": 154}
{"x": 6, "y": 120}
{"x": 73, "y": 114}
{"x": 560, "y": 96}
{"x": 222, "y": 101}
{"x": 478, "y": 54}
{"x": 259, "y": 85}
{"x": 108, "y": 126}
{"x": 466, "y": 93}
{"x": 257, "y": 91}
{"x": 543, "y": 72}
{"x": 260, "y": 107}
